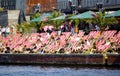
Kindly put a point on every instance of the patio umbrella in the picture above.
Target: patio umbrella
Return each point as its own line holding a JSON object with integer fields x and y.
{"x": 88, "y": 14}
{"x": 46, "y": 14}
{"x": 59, "y": 18}
{"x": 41, "y": 18}
{"x": 36, "y": 19}
{"x": 115, "y": 14}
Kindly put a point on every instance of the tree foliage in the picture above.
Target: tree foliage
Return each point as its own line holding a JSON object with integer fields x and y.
{"x": 37, "y": 25}
{"x": 104, "y": 21}
{"x": 55, "y": 23}
{"x": 25, "y": 27}
{"x": 35, "y": 15}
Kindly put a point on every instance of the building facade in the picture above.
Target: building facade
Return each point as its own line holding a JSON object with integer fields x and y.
{"x": 28, "y": 6}
{"x": 14, "y": 5}
{"x": 106, "y": 4}
{"x": 45, "y": 5}
{"x": 89, "y": 4}
{"x": 3, "y": 18}
{"x": 0, "y": 3}
{"x": 9, "y": 17}
{"x": 64, "y": 4}
{"x": 92, "y": 3}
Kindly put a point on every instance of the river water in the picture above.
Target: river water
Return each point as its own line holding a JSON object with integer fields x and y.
{"x": 29, "y": 70}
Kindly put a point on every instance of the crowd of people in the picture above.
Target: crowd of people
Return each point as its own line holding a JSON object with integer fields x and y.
{"x": 65, "y": 43}
{"x": 68, "y": 26}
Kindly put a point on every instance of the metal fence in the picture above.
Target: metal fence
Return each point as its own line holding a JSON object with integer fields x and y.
{"x": 92, "y": 3}
{"x": 64, "y": 4}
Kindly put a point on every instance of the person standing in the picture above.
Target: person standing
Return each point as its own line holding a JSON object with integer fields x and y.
{"x": 90, "y": 26}
{"x": 67, "y": 26}
{"x": 97, "y": 28}
{"x": 72, "y": 27}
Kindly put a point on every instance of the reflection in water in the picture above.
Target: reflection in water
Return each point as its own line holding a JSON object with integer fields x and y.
{"x": 8, "y": 70}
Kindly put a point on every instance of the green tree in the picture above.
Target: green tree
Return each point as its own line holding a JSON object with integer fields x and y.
{"x": 28, "y": 27}
{"x": 37, "y": 25}
{"x": 55, "y": 23}
{"x": 25, "y": 28}
{"x": 35, "y": 15}
{"x": 103, "y": 21}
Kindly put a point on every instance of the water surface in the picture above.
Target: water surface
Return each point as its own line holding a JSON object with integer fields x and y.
{"x": 10, "y": 70}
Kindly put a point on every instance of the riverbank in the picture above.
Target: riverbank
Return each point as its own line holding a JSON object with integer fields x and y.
{"x": 61, "y": 59}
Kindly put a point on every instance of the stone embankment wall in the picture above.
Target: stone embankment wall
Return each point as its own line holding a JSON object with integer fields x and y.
{"x": 72, "y": 59}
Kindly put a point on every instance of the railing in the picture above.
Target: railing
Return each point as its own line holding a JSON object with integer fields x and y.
{"x": 92, "y": 3}
{"x": 64, "y": 4}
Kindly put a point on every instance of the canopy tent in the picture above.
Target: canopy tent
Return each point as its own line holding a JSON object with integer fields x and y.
{"x": 59, "y": 18}
{"x": 115, "y": 14}
{"x": 41, "y": 18}
{"x": 36, "y": 19}
{"x": 88, "y": 14}
{"x": 46, "y": 14}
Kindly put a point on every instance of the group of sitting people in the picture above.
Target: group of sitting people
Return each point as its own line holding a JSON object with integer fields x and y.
{"x": 65, "y": 43}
